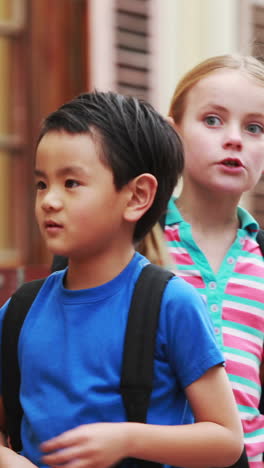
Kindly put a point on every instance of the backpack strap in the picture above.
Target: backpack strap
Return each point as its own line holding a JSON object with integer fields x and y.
{"x": 260, "y": 240}
{"x": 138, "y": 355}
{"x": 58, "y": 263}
{"x": 17, "y": 309}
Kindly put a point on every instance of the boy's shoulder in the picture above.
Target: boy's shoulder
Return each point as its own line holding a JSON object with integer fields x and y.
{"x": 182, "y": 290}
{"x": 24, "y": 296}
{"x": 17, "y": 306}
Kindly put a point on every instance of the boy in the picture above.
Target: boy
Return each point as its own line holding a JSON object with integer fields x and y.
{"x": 106, "y": 166}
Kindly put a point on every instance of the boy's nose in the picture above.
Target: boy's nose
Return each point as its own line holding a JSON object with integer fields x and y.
{"x": 51, "y": 202}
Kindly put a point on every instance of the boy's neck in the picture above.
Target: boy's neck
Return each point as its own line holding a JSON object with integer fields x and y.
{"x": 95, "y": 271}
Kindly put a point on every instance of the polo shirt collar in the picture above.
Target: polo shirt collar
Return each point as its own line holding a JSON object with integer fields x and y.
{"x": 247, "y": 222}
{"x": 173, "y": 216}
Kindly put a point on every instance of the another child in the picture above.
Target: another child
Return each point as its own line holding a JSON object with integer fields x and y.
{"x": 218, "y": 109}
{"x": 106, "y": 166}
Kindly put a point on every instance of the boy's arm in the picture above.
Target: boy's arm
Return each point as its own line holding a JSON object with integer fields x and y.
{"x": 8, "y": 458}
{"x": 215, "y": 439}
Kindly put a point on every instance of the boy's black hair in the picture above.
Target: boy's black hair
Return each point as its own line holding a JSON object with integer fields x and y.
{"x": 135, "y": 139}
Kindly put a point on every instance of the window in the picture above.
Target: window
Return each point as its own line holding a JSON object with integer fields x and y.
{"x": 12, "y": 128}
{"x": 132, "y": 47}
{"x": 257, "y": 16}
{"x": 252, "y": 42}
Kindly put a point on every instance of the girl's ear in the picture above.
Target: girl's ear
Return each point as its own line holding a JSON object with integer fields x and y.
{"x": 142, "y": 191}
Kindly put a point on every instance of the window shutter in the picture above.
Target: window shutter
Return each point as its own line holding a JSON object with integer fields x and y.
{"x": 257, "y": 16}
{"x": 258, "y": 51}
{"x": 132, "y": 47}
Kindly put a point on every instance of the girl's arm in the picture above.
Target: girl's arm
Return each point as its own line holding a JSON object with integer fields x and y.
{"x": 215, "y": 440}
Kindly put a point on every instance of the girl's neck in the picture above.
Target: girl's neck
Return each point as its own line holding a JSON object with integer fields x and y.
{"x": 214, "y": 222}
{"x": 207, "y": 211}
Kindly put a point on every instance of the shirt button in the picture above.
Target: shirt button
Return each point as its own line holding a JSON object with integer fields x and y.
{"x": 242, "y": 241}
{"x": 230, "y": 260}
{"x": 214, "y": 307}
{"x": 217, "y": 331}
{"x": 212, "y": 285}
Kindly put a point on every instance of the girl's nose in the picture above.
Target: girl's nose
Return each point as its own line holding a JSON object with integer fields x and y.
{"x": 233, "y": 140}
{"x": 233, "y": 144}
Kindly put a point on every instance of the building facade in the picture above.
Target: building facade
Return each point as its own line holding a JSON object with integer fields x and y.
{"x": 52, "y": 50}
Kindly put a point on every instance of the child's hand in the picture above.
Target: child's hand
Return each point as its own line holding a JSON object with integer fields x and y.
{"x": 95, "y": 445}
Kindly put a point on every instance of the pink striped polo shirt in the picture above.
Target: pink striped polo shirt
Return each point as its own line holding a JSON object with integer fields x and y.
{"x": 235, "y": 299}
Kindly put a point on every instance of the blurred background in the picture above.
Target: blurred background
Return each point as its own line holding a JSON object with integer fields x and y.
{"x": 51, "y": 50}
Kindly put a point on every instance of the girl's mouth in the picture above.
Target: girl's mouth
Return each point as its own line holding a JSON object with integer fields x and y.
{"x": 231, "y": 162}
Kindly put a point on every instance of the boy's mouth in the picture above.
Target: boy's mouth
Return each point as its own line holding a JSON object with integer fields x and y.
{"x": 52, "y": 224}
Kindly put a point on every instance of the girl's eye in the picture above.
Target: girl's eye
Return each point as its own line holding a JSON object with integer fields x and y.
{"x": 40, "y": 185}
{"x": 212, "y": 121}
{"x": 71, "y": 183}
{"x": 255, "y": 128}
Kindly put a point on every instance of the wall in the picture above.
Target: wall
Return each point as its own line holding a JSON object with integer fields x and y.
{"x": 186, "y": 32}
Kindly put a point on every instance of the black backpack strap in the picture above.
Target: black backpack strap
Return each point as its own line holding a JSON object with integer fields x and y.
{"x": 138, "y": 354}
{"x": 59, "y": 263}
{"x": 242, "y": 462}
{"x": 18, "y": 307}
{"x": 260, "y": 240}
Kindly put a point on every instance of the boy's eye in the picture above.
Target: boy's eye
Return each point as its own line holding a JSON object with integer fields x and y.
{"x": 40, "y": 185}
{"x": 255, "y": 128}
{"x": 71, "y": 183}
{"x": 212, "y": 121}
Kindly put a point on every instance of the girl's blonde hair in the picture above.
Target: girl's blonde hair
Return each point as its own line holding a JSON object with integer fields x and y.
{"x": 154, "y": 247}
{"x": 249, "y": 65}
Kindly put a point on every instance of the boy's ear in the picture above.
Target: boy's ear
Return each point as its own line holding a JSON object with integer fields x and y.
{"x": 172, "y": 123}
{"x": 170, "y": 120}
{"x": 142, "y": 191}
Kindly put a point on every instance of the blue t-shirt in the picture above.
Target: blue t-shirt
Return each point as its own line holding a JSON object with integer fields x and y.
{"x": 70, "y": 355}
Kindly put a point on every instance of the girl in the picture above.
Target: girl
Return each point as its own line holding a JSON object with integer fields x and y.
{"x": 218, "y": 109}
